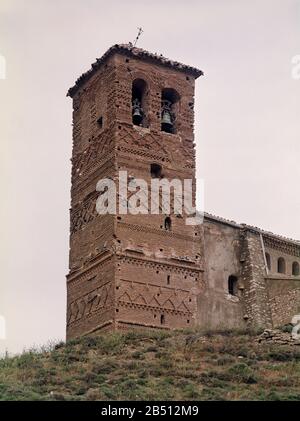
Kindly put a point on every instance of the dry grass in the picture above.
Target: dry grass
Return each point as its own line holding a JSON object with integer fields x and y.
{"x": 227, "y": 365}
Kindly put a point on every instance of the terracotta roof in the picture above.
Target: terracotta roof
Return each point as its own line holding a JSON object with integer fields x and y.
{"x": 249, "y": 227}
{"x": 131, "y": 51}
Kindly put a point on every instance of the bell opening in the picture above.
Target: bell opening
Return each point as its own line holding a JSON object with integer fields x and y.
{"x": 168, "y": 110}
{"x": 138, "y": 102}
{"x": 166, "y": 123}
{"x": 167, "y": 117}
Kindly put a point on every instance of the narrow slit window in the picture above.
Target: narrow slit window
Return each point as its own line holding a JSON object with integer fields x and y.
{"x": 100, "y": 122}
{"x": 232, "y": 285}
{"x": 168, "y": 223}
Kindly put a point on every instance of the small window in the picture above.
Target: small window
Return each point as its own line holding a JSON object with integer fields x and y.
{"x": 281, "y": 265}
{"x": 155, "y": 170}
{"x": 296, "y": 269}
{"x": 232, "y": 285}
{"x": 162, "y": 319}
{"x": 100, "y": 122}
{"x": 268, "y": 260}
{"x": 168, "y": 279}
{"x": 168, "y": 223}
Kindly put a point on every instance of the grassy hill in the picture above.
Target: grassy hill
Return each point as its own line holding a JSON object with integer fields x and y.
{"x": 162, "y": 365}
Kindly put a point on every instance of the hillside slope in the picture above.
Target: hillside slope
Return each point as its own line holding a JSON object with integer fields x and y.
{"x": 162, "y": 365}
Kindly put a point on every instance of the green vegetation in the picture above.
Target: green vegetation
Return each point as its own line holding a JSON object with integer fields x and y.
{"x": 155, "y": 365}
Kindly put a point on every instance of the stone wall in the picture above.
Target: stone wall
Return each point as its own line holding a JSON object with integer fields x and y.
{"x": 257, "y": 311}
{"x": 263, "y": 296}
{"x": 284, "y": 299}
{"x": 216, "y": 307}
{"x": 283, "y": 288}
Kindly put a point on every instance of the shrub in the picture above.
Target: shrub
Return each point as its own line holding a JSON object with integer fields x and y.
{"x": 242, "y": 373}
{"x": 137, "y": 355}
{"x": 283, "y": 355}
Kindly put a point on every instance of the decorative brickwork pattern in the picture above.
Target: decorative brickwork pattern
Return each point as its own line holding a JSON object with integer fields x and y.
{"x": 134, "y": 271}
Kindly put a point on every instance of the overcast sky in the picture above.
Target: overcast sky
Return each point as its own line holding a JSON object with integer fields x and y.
{"x": 247, "y": 126}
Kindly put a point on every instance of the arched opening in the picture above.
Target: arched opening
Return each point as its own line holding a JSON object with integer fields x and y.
{"x": 168, "y": 223}
{"x": 281, "y": 265}
{"x": 169, "y": 100}
{"x": 139, "y": 106}
{"x": 296, "y": 269}
{"x": 162, "y": 319}
{"x": 268, "y": 260}
{"x": 155, "y": 170}
{"x": 232, "y": 285}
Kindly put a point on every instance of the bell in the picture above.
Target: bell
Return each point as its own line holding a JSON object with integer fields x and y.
{"x": 166, "y": 119}
{"x": 137, "y": 112}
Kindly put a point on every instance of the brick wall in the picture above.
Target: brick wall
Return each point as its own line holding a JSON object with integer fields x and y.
{"x": 150, "y": 276}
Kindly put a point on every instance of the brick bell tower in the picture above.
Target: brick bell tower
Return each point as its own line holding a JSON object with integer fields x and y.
{"x": 132, "y": 111}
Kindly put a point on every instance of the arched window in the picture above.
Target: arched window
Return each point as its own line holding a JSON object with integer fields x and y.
{"x": 268, "y": 260}
{"x": 296, "y": 269}
{"x": 168, "y": 223}
{"x": 281, "y": 265}
{"x": 232, "y": 285}
{"x": 155, "y": 170}
{"x": 162, "y": 319}
{"x": 169, "y": 100}
{"x": 139, "y": 105}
